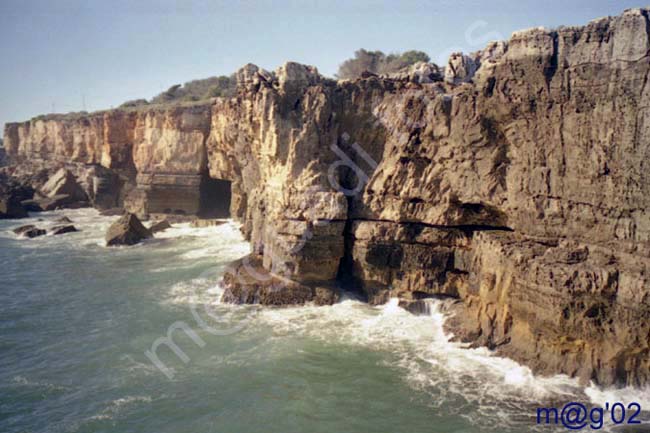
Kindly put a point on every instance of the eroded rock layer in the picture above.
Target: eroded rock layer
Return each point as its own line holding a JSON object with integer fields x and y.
{"x": 516, "y": 182}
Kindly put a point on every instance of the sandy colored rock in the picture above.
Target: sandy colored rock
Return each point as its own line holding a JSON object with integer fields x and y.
{"x": 128, "y": 230}
{"x": 63, "y": 182}
{"x": 247, "y": 282}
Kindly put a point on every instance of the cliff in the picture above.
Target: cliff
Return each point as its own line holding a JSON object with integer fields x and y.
{"x": 515, "y": 182}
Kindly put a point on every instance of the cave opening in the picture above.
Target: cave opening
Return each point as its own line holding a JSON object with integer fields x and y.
{"x": 215, "y": 197}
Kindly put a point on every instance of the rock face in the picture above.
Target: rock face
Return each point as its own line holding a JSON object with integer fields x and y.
{"x": 515, "y": 181}
{"x": 128, "y": 230}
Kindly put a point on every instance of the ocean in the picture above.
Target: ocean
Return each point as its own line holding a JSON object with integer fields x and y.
{"x": 83, "y": 348}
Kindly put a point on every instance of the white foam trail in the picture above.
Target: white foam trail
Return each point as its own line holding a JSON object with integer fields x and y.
{"x": 116, "y": 406}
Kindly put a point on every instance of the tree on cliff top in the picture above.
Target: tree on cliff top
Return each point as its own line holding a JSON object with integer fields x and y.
{"x": 378, "y": 63}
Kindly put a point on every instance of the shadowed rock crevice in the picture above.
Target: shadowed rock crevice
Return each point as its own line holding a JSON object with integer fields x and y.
{"x": 215, "y": 198}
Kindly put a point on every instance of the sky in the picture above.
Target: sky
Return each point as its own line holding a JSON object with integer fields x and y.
{"x": 67, "y": 55}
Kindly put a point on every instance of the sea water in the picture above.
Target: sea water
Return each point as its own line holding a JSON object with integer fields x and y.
{"x": 79, "y": 324}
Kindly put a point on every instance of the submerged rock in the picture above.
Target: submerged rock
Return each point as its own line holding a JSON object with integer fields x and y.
{"x": 64, "y": 220}
{"x": 33, "y": 232}
{"x": 22, "y": 229}
{"x": 128, "y": 230}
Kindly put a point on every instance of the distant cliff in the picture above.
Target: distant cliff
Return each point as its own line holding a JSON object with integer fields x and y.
{"x": 515, "y": 180}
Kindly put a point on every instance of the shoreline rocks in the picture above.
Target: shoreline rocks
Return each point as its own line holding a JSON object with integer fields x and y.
{"x": 128, "y": 230}
{"x": 60, "y": 230}
{"x": 247, "y": 282}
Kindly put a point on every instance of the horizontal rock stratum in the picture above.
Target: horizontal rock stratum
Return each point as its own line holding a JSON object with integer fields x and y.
{"x": 517, "y": 182}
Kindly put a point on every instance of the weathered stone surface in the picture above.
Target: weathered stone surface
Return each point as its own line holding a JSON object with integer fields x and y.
{"x": 128, "y": 230}
{"x": 517, "y": 184}
{"x": 248, "y": 282}
{"x": 63, "y": 182}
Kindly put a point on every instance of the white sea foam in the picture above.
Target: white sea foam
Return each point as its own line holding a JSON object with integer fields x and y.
{"x": 422, "y": 348}
{"x": 600, "y": 396}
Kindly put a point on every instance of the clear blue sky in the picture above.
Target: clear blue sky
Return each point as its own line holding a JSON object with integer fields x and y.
{"x": 60, "y": 51}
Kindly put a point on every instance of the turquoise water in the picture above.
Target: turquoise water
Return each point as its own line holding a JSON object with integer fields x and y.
{"x": 77, "y": 318}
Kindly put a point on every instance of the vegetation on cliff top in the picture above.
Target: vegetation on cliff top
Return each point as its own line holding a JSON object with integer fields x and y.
{"x": 378, "y": 63}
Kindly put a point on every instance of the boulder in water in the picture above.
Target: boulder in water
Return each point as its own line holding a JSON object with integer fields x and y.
{"x": 128, "y": 230}
{"x": 59, "y": 230}
{"x": 22, "y": 229}
{"x": 33, "y": 232}
{"x": 64, "y": 220}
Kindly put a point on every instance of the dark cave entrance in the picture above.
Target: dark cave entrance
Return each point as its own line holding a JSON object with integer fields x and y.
{"x": 215, "y": 197}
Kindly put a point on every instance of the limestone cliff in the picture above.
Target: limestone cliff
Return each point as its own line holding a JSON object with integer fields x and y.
{"x": 516, "y": 181}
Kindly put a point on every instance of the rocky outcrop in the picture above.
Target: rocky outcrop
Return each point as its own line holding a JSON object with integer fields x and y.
{"x": 248, "y": 282}
{"x": 22, "y": 229}
{"x": 514, "y": 181}
{"x": 30, "y": 231}
{"x": 128, "y": 230}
